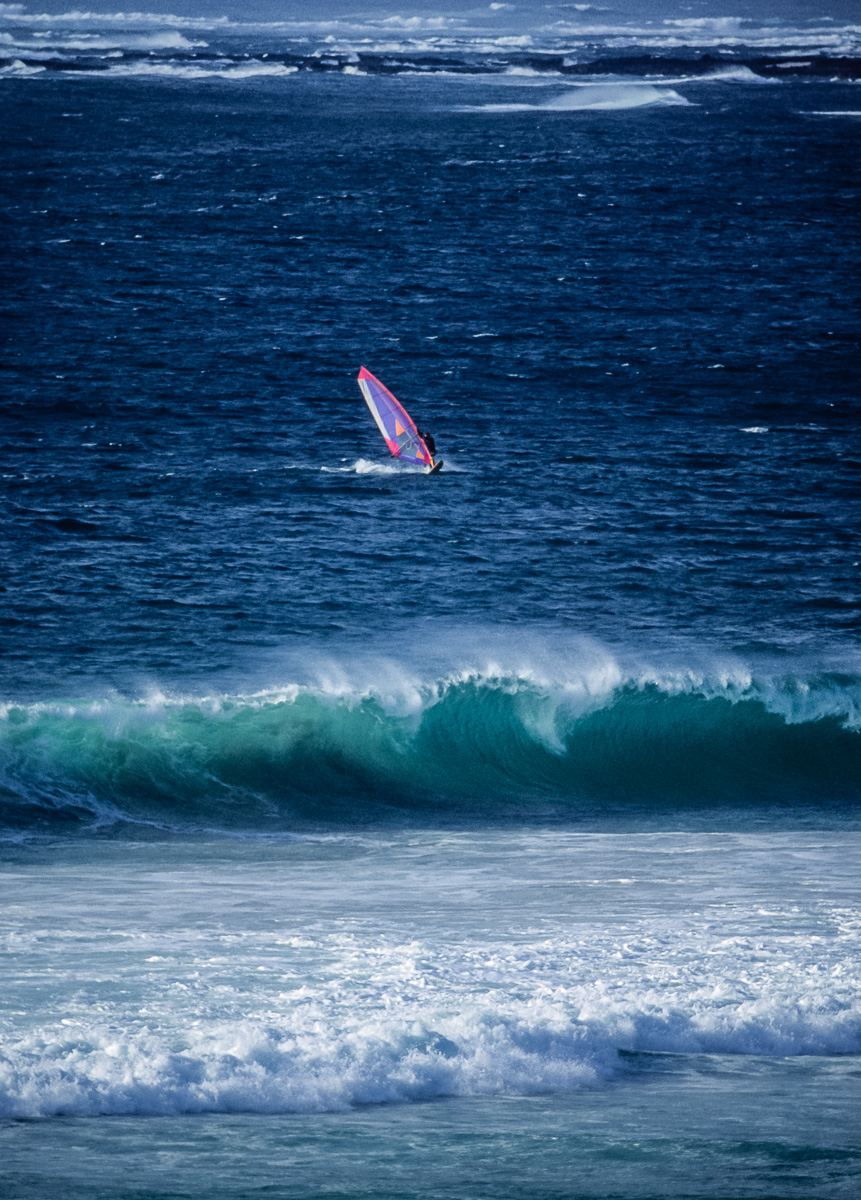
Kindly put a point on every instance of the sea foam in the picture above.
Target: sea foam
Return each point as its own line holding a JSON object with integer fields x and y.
{"x": 226, "y": 1022}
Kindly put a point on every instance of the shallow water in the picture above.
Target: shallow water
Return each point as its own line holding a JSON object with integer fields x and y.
{"x": 567, "y": 1014}
{"x": 686, "y": 1128}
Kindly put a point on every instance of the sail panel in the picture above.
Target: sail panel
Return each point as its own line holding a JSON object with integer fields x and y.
{"x": 394, "y": 422}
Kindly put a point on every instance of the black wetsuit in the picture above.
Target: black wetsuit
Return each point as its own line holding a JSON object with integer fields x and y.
{"x": 430, "y": 443}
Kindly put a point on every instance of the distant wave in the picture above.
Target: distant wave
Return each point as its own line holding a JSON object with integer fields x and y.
{"x": 498, "y": 31}
{"x": 226, "y": 69}
{"x": 114, "y": 57}
{"x": 164, "y": 39}
{"x": 496, "y": 45}
{"x": 600, "y": 97}
{"x": 477, "y": 745}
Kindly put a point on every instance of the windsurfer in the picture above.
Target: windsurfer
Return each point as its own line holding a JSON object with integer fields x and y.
{"x": 397, "y": 426}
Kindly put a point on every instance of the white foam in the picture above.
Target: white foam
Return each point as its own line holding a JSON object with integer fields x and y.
{"x": 714, "y": 26}
{"x": 227, "y": 70}
{"x": 521, "y": 73}
{"x": 17, "y": 13}
{"x": 368, "y": 466}
{"x": 712, "y": 33}
{"x": 597, "y": 97}
{"x": 167, "y": 39}
{"x": 732, "y": 75}
{"x": 20, "y": 69}
{"x": 305, "y": 1065}
{"x": 420, "y": 24}
{"x": 223, "y": 1019}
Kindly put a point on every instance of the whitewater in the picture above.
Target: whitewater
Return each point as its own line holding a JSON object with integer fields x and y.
{"x": 499, "y": 964}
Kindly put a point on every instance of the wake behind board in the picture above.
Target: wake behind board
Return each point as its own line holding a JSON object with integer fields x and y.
{"x": 435, "y": 469}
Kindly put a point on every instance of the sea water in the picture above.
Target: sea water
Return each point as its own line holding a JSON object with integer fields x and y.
{"x": 518, "y": 1012}
{"x": 495, "y": 834}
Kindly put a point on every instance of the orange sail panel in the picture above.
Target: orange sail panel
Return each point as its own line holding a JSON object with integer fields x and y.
{"x": 394, "y": 422}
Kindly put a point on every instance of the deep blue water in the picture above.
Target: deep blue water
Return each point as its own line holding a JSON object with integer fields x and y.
{"x": 493, "y": 833}
{"x": 589, "y": 309}
{"x": 633, "y": 332}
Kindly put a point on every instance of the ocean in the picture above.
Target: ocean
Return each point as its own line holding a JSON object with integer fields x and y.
{"x": 495, "y": 834}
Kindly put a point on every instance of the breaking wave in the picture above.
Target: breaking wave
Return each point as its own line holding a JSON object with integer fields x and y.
{"x": 474, "y": 745}
{"x": 324, "y": 1022}
{"x": 538, "y": 1046}
{"x": 596, "y": 97}
{"x": 226, "y": 69}
{"x": 257, "y": 1066}
{"x": 506, "y": 43}
{"x": 504, "y": 28}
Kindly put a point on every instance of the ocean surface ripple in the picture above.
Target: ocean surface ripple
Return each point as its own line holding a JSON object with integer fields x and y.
{"x": 329, "y": 790}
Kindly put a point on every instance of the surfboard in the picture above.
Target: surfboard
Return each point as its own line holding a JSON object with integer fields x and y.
{"x": 436, "y": 468}
{"x": 395, "y": 424}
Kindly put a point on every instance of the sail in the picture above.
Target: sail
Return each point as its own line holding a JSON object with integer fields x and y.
{"x": 395, "y": 423}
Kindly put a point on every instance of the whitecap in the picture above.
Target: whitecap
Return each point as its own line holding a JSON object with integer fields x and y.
{"x": 19, "y": 69}
{"x": 346, "y": 1016}
{"x": 167, "y": 39}
{"x": 228, "y": 70}
{"x": 598, "y": 97}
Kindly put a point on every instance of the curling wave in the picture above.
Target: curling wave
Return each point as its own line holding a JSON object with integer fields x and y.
{"x": 477, "y": 745}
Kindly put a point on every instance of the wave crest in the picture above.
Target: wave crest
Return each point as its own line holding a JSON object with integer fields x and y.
{"x": 476, "y": 743}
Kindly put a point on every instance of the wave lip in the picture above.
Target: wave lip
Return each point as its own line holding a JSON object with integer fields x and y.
{"x": 19, "y": 68}
{"x": 556, "y": 740}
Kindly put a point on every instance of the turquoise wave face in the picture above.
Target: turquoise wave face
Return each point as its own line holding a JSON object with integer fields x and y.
{"x": 476, "y": 747}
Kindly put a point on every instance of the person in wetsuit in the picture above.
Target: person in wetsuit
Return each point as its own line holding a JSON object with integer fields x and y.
{"x": 429, "y": 442}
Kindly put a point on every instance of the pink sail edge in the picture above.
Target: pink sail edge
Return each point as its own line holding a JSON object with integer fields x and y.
{"x": 395, "y": 424}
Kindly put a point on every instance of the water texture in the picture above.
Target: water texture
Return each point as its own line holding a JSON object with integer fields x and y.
{"x": 490, "y": 834}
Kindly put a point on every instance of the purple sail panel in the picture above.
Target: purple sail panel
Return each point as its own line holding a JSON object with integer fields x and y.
{"x": 394, "y": 422}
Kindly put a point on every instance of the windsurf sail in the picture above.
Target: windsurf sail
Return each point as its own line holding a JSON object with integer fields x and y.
{"x": 394, "y": 422}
